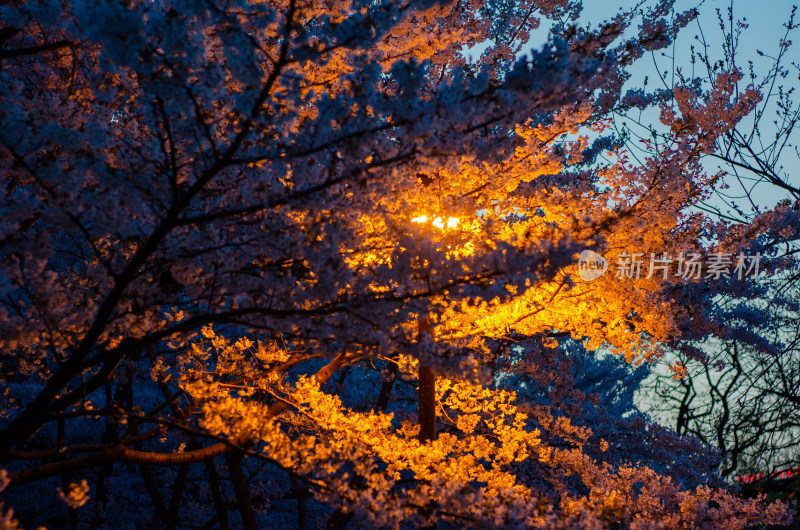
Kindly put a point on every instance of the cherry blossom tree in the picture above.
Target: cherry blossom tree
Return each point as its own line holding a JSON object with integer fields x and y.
{"x": 232, "y": 231}
{"x": 744, "y": 401}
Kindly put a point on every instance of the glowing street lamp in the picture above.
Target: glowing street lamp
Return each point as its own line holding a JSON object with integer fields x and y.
{"x": 438, "y": 222}
{"x": 427, "y": 379}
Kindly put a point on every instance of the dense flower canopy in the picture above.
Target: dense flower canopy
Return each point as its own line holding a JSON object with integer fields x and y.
{"x": 237, "y": 228}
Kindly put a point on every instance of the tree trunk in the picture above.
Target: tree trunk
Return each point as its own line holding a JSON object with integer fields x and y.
{"x": 427, "y": 392}
{"x": 234, "y": 460}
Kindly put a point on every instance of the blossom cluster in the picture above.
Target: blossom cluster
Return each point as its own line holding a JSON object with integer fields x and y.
{"x": 498, "y": 460}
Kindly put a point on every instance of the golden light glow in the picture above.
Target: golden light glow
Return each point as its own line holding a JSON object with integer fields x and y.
{"x": 438, "y": 222}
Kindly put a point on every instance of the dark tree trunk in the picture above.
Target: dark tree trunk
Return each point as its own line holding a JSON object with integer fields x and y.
{"x": 427, "y": 392}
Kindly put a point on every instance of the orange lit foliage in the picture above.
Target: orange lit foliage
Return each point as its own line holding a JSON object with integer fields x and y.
{"x": 266, "y": 166}
{"x": 470, "y": 471}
